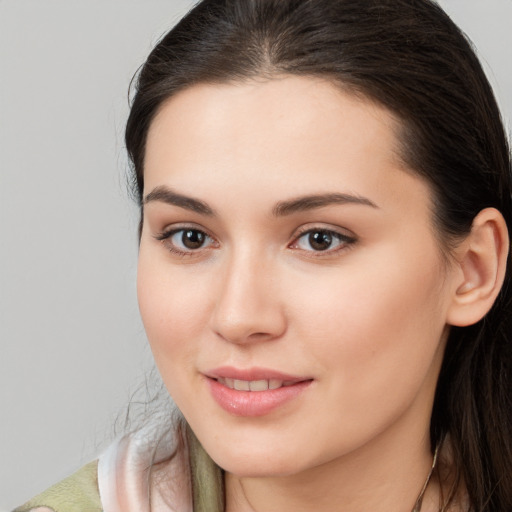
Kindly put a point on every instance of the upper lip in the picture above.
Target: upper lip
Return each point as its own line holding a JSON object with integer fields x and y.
{"x": 251, "y": 374}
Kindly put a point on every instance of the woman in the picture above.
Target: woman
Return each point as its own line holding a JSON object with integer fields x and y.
{"x": 323, "y": 268}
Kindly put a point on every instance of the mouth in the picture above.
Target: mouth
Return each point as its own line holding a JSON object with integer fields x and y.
{"x": 254, "y": 392}
{"x": 254, "y": 385}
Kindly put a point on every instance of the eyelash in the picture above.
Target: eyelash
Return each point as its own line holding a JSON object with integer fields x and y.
{"x": 166, "y": 236}
{"x": 344, "y": 241}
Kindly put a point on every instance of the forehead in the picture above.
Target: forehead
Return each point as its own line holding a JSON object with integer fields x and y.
{"x": 288, "y": 133}
{"x": 289, "y": 103}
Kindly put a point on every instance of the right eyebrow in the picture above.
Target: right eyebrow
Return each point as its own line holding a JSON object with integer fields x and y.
{"x": 166, "y": 195}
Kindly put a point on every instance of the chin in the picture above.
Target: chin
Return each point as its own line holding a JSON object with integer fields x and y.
{"x": 258, "y": 467}
{"x": 255, "y": 460}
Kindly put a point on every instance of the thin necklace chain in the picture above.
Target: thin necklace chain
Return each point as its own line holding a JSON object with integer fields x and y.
{"x": 419, "y": 501}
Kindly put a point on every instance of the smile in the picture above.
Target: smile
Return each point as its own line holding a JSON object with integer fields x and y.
{"x": 254, "y": 392}
{"x": 253, "y": 385}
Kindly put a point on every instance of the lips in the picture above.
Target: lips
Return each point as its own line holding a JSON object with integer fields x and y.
{"x": 254, "y": 385}
{"x": 254, "y": 392}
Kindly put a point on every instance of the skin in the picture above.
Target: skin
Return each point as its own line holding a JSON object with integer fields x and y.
{"x": 366, "y": 320}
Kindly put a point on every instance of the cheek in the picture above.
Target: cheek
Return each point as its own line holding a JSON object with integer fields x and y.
{"x": 379, "y": 323}
{"x": 376, "y": 338}
{"x": 174, "y": 317}
{"x": 171, "y": 309}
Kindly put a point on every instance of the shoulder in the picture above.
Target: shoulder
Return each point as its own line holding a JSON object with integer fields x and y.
{"x": 77, "y": 493}
{"x": 149, "y": 464}
{"x": 146, "y": 464}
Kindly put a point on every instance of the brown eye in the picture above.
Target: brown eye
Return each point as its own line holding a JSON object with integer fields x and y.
{"x": 192, "y": 238}
{"x": 320, "y": 240}
{"x": 186, "y": 241}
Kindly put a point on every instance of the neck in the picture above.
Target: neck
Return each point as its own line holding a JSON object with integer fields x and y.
{"x": 380, "y": 476}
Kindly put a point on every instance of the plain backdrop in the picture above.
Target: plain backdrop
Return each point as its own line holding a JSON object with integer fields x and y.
{"x": 72, "y": 348}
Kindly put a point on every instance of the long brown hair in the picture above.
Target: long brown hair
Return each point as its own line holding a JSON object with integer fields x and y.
{"x": 411, "y": 58}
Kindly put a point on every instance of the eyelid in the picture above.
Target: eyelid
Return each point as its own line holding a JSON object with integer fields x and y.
{"x": 321, "y": 226}
{"x": 346, "y": 237}
{"x": 178, "y": 226}
{"x": 167, "y": 233}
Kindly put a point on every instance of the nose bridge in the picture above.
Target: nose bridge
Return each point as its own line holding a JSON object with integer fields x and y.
{"x": 247, "y": 307}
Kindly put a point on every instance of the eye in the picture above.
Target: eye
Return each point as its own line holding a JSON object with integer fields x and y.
{"x": 185, "y": 241}
{"x": 322, "y": 240}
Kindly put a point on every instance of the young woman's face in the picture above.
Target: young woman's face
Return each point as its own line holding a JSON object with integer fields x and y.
{"x": 290, "y": 281}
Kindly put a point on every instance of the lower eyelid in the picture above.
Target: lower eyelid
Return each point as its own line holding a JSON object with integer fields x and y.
{"x": 343, "y": 241}
{"x": 165, "y": 238}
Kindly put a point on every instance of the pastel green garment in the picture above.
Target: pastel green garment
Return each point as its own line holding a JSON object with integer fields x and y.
{"x": 149, "y": 469}
{"x": 77, "y": 493}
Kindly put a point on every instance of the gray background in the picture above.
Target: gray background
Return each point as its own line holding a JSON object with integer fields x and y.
{"x": 72, "y": 348}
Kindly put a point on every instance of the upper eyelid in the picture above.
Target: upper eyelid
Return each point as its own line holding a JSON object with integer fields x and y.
{"x": 337, "y": 230}
{"x": 343, "y": 238}
{"x": 346, "y": 241}
{"x": 342, "y": 232}
{"x": 166, "y": 235}
{"x": 175, "y": 228}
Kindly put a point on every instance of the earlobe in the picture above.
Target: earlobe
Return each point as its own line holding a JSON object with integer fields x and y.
{"x": 481, "y": 265}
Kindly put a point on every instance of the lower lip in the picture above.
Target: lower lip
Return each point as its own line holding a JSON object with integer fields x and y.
{"x": 254, "y": 403}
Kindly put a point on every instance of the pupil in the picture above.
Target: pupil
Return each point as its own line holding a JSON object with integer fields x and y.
{"x": 192, "y": 239}
{"x": 320, "y": 240}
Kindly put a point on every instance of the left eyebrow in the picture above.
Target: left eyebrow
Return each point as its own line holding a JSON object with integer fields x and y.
{"x": 311, "y": 202}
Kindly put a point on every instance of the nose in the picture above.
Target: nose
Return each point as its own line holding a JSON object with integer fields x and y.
{"x": 248, "y": 306}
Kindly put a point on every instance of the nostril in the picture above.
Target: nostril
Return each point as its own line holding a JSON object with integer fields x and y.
{"x": 244, "y": 337}
{"x": 260, "y": 335}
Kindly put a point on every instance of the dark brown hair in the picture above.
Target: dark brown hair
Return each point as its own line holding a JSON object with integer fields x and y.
{"x": 408, "y": 56}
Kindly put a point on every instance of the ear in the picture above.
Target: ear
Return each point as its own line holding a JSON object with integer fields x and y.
{"x": 480, "y": 268}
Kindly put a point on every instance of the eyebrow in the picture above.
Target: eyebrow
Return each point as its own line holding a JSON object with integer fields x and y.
{"x": 281, "y": 209}
{"x": 169, "y": 196}
{"x": 311, "y": 202}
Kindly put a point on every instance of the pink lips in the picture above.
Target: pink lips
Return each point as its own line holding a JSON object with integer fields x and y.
{"x": 253, "y": 392}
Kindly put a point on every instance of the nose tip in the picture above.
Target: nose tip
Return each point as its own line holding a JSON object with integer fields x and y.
{"x": 242, "y": 331}
{"x": 248, "y": 309}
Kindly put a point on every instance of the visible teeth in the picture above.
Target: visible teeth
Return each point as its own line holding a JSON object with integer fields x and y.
{"x": 241, "y": 385}
{"x": 253, "y": 385}
{"x": 258, "y": 385}
{"x": 274, "y": 384}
